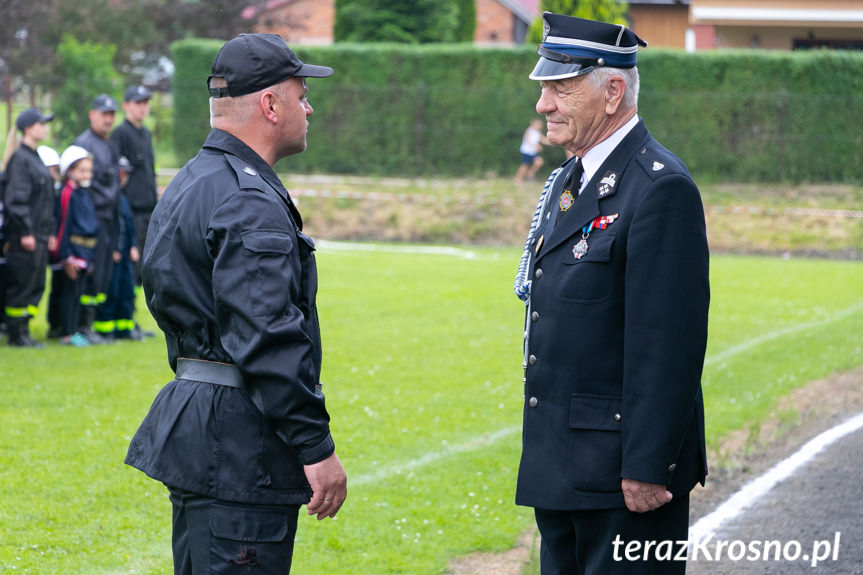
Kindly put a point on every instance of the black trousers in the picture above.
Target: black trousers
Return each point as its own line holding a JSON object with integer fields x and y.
{"x": 103, "y": 260}
{"x": 68, "y": 300}
{"x": 614, "y": 541}
{"x": 25, "y": 278}
{"x": 215, "y": 537}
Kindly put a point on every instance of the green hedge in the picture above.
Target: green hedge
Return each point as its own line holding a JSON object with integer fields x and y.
{"x": 460, "y": 110}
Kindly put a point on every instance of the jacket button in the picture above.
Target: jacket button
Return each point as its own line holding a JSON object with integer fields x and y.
{"x": 617, "y": 417}
{"x": 533, "y": 402}
{"x": 534, "y": 316}
{"x": 532, "y": 360}
{"x": 537, "y": 273}
{"x": 672, "y": 467}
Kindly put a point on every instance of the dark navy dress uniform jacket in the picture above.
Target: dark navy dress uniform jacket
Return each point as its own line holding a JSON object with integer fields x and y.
{"x": 617, "y": 337}
{"x": 230, "y": 277}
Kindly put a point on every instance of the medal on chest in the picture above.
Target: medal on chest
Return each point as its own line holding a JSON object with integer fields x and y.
{"x": 579, "y": 250}
{"x": 566, "y": 200}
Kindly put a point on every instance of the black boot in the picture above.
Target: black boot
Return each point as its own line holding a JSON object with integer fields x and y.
{"x": 86, "y": 318}
{"x": 19, "y": 334}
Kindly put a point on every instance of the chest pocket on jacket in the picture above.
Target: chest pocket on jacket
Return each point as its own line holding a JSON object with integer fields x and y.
{"x": 309, "y": 281}
{"x": 268, "y": 259}
{"x": 591, "y": 277}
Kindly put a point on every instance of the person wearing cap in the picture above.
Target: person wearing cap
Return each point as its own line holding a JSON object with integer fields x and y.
{"x": 105, "y": 191}
{"x": 615, "y": 281}
{"x": 29, "y": 227}
{"x": 241, "y": 435}
{"x": 135, "y": 143}
{"x": 77, "y": 231}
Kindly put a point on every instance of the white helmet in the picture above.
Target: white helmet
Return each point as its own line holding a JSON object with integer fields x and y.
{"x": 48, "y": 155}
{"x": 71, "y": 155}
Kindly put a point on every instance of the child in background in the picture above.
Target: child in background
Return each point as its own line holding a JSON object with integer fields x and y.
{"x": 114, "y": 317}
{"x": 77, "y": 231}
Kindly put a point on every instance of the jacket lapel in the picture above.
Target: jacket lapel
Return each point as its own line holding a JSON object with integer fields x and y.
{"x": 587, "y": 206}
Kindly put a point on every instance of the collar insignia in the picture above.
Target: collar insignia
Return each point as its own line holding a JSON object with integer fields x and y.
{"x": 606, "y": 184}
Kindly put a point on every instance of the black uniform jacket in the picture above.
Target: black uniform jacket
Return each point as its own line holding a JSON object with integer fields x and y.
{"x": 29, "y": 197}
{"x": 136, "y": 145}
{"x": 105, "y": 187}
{"x": 617, "y": 337}
{"x": 230, "y": 277}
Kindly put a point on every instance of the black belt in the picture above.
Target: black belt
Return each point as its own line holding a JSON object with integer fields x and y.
{"x": 209, "y": 372}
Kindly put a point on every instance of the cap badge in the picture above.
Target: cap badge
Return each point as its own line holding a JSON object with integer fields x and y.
{"x": 606, "y": 184}
{"x": 658, "y": 166}
{"x": 546, "y": 28}
{"x": 566, "y": 200}
{"x": 250, "y": 171}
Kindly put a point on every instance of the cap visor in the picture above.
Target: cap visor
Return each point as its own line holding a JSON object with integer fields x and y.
{"x": 48, "y": 118}
{"x": 311, "y": 71}
{"x": 551, "y": 70}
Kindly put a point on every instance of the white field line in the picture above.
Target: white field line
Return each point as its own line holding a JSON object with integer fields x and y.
{"x": 390, "y": 471}
{"x": 771, "y": 335}
{"x": 329, "y": 245}
{"x": 758, "y": 487}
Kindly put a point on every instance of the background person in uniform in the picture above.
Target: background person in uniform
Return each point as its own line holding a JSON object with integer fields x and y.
{"x": 616, "y": 324}
{"x": 29, "y": 227}
{"x": 231, "y": 280}
{"x": 77, "y": 230}
{"x": 105, "y": 191}
{"x": 135, "y": 143}
{"x": 531, "y": 146}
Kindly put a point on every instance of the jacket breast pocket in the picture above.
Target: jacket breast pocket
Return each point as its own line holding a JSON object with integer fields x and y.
{"x": 594, "y": 443}
{"x": 590, "y": 277}
{"x": 266, "y": 258}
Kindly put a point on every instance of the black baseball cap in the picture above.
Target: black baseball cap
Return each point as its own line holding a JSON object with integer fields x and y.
{"x": 29, "y": 117}
{"x": 104, "y": 103}
{"x": 136, "y": 93}
{"x": 252, "y": 62}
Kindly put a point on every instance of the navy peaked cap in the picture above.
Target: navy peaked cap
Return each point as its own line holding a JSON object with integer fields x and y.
{"x": 574, "y": 46}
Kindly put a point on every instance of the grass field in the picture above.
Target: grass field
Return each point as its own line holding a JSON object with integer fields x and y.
{"x": 423, "y": 380}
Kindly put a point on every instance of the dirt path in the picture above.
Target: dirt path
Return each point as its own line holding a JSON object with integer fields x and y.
{"x": 744, "y": 455}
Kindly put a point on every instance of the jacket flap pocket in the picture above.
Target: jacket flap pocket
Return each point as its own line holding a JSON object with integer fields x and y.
{"x": 248, "y": 525}
{"x": 599, "y": 246}
{"x": 595, "y": 412}
{"x": 310, "y": 243}
{"x": 267, "y": 241}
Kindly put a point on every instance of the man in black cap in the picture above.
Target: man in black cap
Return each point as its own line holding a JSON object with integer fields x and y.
{"x": 615, "y": 279}
{"x": 105, "y": 190}
{"x": 241, "y": 435}
{"x": 29, "y": 227}
{"x": 135, "y": 143}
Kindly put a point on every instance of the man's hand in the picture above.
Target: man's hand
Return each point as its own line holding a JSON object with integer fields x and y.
{"x": 641, "y": 497}
{"x": 28, "y": 243}
{"x": 329, "y": 486}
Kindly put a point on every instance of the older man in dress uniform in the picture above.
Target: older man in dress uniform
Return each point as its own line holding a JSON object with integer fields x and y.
{"x": 615, "y": 280}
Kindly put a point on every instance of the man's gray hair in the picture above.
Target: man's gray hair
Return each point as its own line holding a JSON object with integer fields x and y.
{"x": 600, "y": 77}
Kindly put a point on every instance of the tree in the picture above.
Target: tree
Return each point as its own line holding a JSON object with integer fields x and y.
{"x": 88, "y": 71}
{"x": 612, "y": 11}
{"x": 466, "y": 21}
{"x": 404, "y": 21}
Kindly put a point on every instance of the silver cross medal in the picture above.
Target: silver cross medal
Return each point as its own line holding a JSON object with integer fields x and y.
{"x": 579, "y": 249}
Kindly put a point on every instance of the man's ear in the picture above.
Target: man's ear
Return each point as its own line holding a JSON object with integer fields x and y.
{"x": 614, "y": 91}
{"x": 267, "y": 102}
